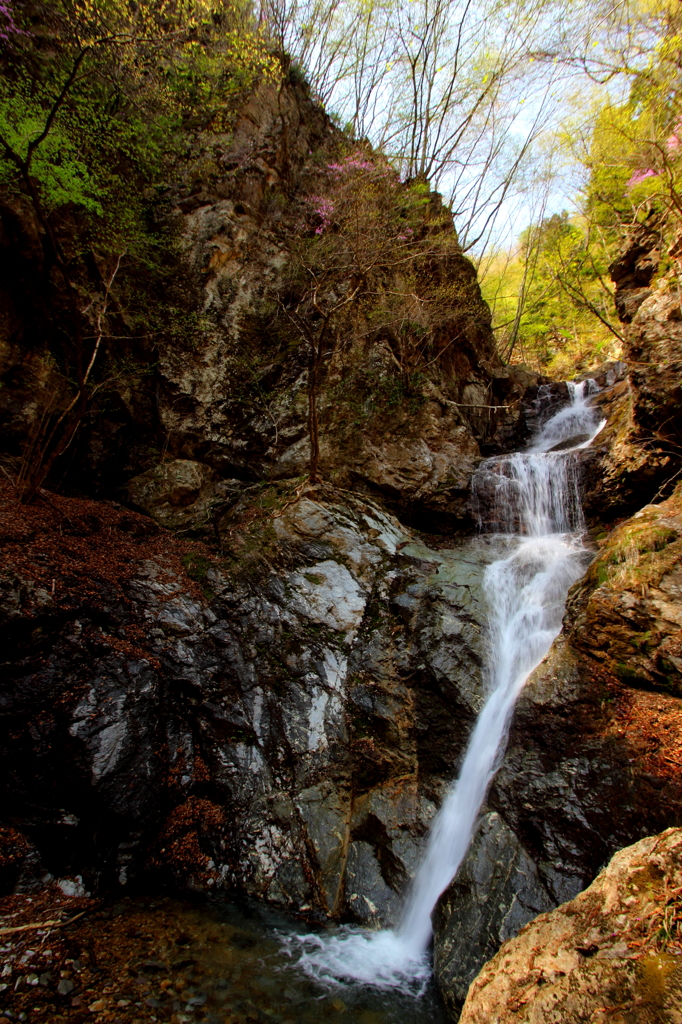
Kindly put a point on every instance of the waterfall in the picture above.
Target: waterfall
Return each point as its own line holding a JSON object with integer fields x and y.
{"x": 531, "y": 500}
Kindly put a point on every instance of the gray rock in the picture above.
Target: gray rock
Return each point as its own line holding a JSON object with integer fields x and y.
{"x": 497, "y": 891}
{"x": 316, "y": 705}
{"x": 370, "y": 899}
{"x": 182, "y": 494}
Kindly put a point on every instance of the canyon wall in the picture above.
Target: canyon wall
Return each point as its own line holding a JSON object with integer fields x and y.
{"x": 218, "y": 675}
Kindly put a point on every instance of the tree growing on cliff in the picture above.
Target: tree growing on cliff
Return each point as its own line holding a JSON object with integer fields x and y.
{"x": 551, "y": 299}
{"x": 450, "y": 91}
{"x": 376, "y": 260}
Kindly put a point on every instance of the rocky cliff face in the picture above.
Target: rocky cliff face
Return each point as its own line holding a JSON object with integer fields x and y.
{"x": 283, "y": 719}
{"x": 221, "y": 378}
{"x": 237, "y": 400}
{"x": 637, "y": 458}
{"x": 591, "y": 764}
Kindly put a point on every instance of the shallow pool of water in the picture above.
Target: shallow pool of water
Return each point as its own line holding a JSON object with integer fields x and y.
{"x": 226, "y": 963}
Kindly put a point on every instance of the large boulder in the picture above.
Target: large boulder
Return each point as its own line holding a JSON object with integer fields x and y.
{"x": 612, "y": 953}
{"x": 182, "y": 495}
{"x": 627, "y": 611}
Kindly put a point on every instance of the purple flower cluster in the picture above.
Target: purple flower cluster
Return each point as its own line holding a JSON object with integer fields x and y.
{"x": 8, "y": 26}
{"x": 356, "y": 162}
{"x": 324, "y": 209}
{"x": 640, "y": 176}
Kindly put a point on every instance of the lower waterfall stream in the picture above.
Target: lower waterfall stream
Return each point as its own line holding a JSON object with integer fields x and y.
{"x": 531, "y": 500}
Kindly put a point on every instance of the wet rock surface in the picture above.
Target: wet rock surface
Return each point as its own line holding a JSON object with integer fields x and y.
{"x": 615, "y": 949}
{"x": 282, "y": 720}
{"x": 581, "y": 744}
{"x": 497, "y": 890}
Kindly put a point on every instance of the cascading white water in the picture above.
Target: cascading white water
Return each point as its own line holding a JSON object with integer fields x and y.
{"x": 531, "y": 499}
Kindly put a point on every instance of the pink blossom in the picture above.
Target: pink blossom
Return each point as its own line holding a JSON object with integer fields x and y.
{"x": 355, "y": 162}
{"x": 640, "y": 176}
{"x": 324, "y": 209}
{"x": 673, "y": 142}
{"x": 8, "y": 26}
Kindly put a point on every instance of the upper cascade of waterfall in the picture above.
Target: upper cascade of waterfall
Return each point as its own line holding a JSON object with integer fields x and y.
{"x": 537, "y": 492}
{"x": 573, "y": 426}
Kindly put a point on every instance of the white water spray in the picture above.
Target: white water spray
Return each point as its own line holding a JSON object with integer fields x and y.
{"x": 532, "y": 500}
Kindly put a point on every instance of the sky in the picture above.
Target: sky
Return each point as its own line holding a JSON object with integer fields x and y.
{"x": 391, "y": 64}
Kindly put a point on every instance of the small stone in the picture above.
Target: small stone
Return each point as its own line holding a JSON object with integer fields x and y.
{"x": 65, "y": 986}
{"x": 123, "y": 1002}
{"x": 97, "y": 1006}
{"x": 154, "y": 965}
{"x": 72, "y": 886}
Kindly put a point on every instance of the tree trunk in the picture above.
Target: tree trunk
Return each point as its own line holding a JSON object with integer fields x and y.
{"x": 313, "y": 422}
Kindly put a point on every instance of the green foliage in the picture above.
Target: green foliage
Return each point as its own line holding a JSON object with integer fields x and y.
{"x": 634, "y": 152}
{"x": 141, "y": 85}
{"x": 63, "y": 176}
{"x": 552, "y": 301}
